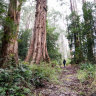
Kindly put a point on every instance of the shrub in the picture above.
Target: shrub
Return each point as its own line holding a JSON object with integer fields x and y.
{"x": 20, "y": 80}
{"x": 54, "y": 63}
{"x": 86, "y": 71}
{"x": 68, "y": 61}
{"x": 82, "y": 75}
{"x": 15, "y": 81}
{"x": 42, "y": 73}
{"x": 87, "y": 76}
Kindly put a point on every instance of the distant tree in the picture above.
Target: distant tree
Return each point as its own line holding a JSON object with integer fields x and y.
{"x": 81, "y": 34}
{"x": 75, "y": 37}
{"x": 52, "y": 47}
{"x": 83, "y": 1}
{"x": 3, "y": 11}
{"x": 53, "y": 17}
{"x": 88, "y": 30}
{"x": 23, "y": 43}
{"x": 73, "y": 5}
{"x": 27, "y": 15}
{"x": 74, "y": 33}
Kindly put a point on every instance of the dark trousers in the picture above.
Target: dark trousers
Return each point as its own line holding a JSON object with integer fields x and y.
{"x": 64, "y": 64}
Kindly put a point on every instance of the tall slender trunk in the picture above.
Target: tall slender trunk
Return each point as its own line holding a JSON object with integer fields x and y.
{"x": 38, "y": 49}
{"x": 83, "y": 1}
{"x": 73, "y": 6}
{"x": 9, "y": 41}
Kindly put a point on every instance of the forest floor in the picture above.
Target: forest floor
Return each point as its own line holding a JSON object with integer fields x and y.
{"x": 68, "y": 85}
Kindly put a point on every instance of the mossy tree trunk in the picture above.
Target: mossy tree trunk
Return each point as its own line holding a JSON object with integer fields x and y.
{"x": 11, "y": 29}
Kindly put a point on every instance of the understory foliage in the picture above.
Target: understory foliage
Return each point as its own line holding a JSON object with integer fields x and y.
{"x": 40, "y": 75}
{"x": 22, "y": 79}
{"x": 87, "y": 77}
{"x": 52, "y": 47}
{"x": 88, "y": 70}
{"x": 3, "y": 11}
{"x": 24, "y": 37}
{"x": 87, "y": 73}
{"x": 15, "y": 81}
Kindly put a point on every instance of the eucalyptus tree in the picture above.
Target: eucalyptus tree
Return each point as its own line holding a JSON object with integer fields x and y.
{"x": 38, "y": 47}
{"x": 11, "y": 29}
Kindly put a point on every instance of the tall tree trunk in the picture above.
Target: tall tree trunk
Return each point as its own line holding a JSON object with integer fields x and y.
{"x": 73, "y": 6}
{"x": 83, "y": 1}
{"x": 9, "y": 42}
{"x": 38, "y": 49}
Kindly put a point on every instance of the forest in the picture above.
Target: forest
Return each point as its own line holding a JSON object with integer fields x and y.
{"x": 47, "y": 47}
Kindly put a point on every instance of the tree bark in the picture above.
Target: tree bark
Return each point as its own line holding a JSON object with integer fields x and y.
{"x": 73, "y": 5}
{"x": 38, "y": 50}
{"x": 83, "y": 1}
{"x": 9, "y": 41}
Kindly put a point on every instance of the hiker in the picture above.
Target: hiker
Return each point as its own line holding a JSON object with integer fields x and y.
{"x": 64, "y": 62}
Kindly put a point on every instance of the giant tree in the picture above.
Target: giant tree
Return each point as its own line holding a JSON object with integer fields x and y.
{"x": 38, "y": 47}
{"x": 11, "y": 28}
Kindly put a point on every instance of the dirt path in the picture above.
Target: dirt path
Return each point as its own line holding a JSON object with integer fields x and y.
{"x": 69, "y": 84}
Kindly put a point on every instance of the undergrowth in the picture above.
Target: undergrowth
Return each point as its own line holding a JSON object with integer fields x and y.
{"x": 23, "y": 78}
{"x": 45, "y": 72}
{"x": 86, "y": 71}
{"x": 15, "y": 81}
{"x": 87, "y": 75}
